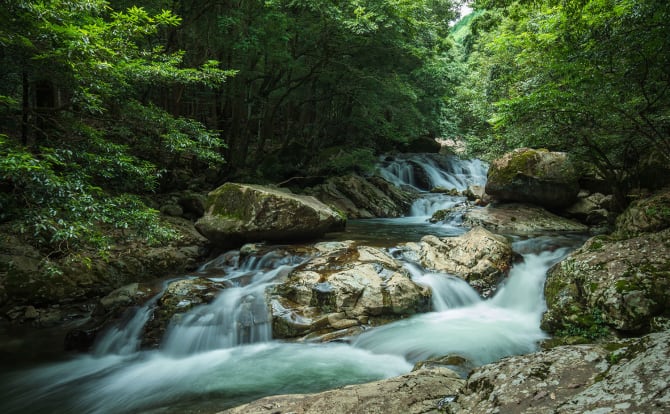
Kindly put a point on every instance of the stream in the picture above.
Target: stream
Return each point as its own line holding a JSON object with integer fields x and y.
{"x": 222, "y": 354}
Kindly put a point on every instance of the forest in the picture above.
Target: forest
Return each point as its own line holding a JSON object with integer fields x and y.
{"x": 106, "y": 104}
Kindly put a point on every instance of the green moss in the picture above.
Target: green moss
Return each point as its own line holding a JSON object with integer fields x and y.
{"x": 627, "y": 285}
{"x": 521, "y": 162}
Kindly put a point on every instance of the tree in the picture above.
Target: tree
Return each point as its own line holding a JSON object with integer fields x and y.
{"x": 78, "y": 135}
{"x": 589, "y": 77}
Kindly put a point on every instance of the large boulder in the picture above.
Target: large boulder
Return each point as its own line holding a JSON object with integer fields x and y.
{"x": 644, "y": 216}
{"x": 342, "y": 289}
{"x": 533, "y": 176}
{"x": 520, "y": 219}
{"x": 421, "y": 391}
{"x": 479, "y": 257}
{"x": 238, "y": 213}
{"x": 607, "y": 284}
{"x": 622, "y": 377}
{"x": 361, "y": 197}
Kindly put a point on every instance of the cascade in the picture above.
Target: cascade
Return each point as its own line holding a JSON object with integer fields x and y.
{"x": 222, "y": 354}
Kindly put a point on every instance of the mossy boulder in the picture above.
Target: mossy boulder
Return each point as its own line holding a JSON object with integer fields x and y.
{"x": 540, "y": 177}
{"x": 344, "y": 288}
{"x": 609, "y": 284}
{"x": 239, "y": 213}
{"x": 644, "y": 216}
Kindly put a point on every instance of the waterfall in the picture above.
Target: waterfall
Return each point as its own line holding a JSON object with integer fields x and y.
{"x": 449, "y": 292}
{"x": 425, "y": 172}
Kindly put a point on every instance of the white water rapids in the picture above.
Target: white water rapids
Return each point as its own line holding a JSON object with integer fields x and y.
{"x": 221, "y": 354}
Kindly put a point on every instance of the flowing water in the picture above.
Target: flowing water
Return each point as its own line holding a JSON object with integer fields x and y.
{"x": 222, "y": 354}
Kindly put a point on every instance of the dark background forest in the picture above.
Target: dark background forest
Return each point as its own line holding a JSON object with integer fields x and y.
{"x": 103, "y": 105}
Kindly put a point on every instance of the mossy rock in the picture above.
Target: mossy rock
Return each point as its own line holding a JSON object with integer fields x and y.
{"x": 533, "y": 176}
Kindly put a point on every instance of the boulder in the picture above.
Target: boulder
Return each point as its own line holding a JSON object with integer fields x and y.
{"x": 520, "y": 219}
{"x": 609, "y": 284}
{"x": 342, "y": 289}
{"x": 238, "y": 213}
{"x": 532, "y": 176}
{"x": 644, "y": 216}
{"x": 621, "y": 377}
{"x": 479, "y": 257}
{"x": 592, "y": 209}
{"x": 421, "y": 391}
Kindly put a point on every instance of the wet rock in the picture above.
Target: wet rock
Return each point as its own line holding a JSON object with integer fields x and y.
{"x": 238, "y": 213}
{"x": 421, "y": 391}
{"x": 346, "y": 286}
{"x": 520, "y": 219}
{"x": 532, "y": 176}
{"x": 177, "y": 299}
{"x": 479, "y": 257}
{"x": 609, "y": 284}
{"x": 360, "y": 197}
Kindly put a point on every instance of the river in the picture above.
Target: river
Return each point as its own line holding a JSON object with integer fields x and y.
{"x": 206, "y": 364}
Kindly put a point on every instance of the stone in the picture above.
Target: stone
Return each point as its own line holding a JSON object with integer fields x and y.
{"x": 178, "y": 298}
{"x": 360, "y": 197}
{"x": 239, "y": 213}
{"x": 540, "y": 177}
{"x": 643, "y": 216}
{"x": 534, "y": 383}
{"x": 609, "y": 284}
{"x": 520, "y": 219}
{"x": 479, "y": 257}
{"x": 343, "y": 287}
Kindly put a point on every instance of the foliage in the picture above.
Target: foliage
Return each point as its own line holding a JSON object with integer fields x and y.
{"x": 586, "y": 77}
{"x": 81, "y": 140}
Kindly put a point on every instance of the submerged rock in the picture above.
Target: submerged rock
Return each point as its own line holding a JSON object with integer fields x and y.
{"x": 343, "y": 288}
{"x": 520, "y": 219}
{"x": 539, "y": 177}
{"x": 238, "y": 213}
{"x": 422, "y": 391}
{"x": 479, "y": 257}
{"x": 609, "y": 284}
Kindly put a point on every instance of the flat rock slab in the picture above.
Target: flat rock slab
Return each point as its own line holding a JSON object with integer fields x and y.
{"x": 420, "y": 391}
{"x": 520, "y": 219}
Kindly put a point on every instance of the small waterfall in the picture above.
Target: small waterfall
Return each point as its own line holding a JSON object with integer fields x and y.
{"x": 239, "y": 315}
{"x": 125, "y": 339}
{"x": 481, "y": 331}
{"x": 449, "y": 292}
{"x": 427, "y": 171}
